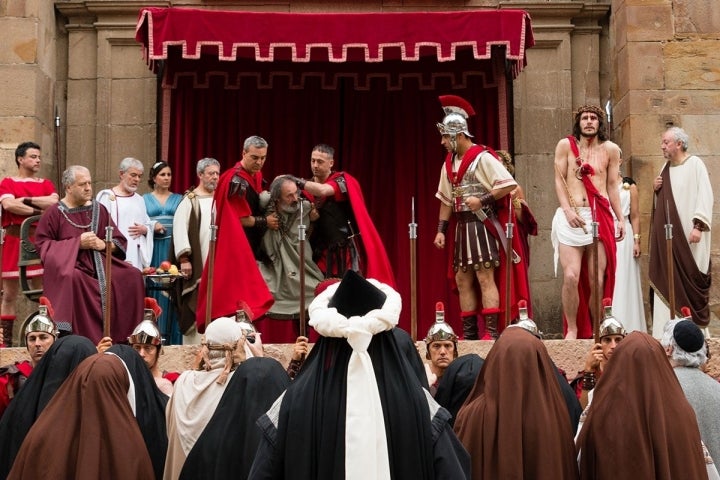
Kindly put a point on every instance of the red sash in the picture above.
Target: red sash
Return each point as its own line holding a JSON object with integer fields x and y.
{"x": 470, "y": 155}
{"x": 606, "y": 234}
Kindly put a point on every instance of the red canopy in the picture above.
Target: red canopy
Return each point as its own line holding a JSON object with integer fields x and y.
{"x": 333, "y": 37}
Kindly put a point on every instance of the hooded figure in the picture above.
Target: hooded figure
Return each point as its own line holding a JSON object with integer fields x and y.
{"x": 197, "y": 392}
{"x": 47, "y": 377}
{"x": 226, "y": 448}
{"x": 640, "y": 425}
{"x": 357, "y": 410}
{"x": 88, "y": 430}
{"x": 515, "y": 422}
{"x": 150, "y": 405}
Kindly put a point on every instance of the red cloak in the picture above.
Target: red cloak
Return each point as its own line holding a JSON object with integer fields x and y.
{"x": 377, "y": 264}
{"x": 236, "y": 276}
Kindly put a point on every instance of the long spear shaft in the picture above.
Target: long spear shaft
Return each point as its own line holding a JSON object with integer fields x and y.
{"x": 413, "y": 272}
{"x": 107, "y": 311}
{"x": 597, "y": 310}
{"x": 669, "y": 260}
{"x": 301, "y": 246}
{"x": 508, "y": 260}
{"x": 2, "y": 293}
{"x": 210, "y": 267}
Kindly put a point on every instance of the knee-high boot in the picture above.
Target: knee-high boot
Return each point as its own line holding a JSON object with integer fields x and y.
{"x": 6, "y": 323}
{"x": 491, "y": 316}
{"x": 469, "y": 325}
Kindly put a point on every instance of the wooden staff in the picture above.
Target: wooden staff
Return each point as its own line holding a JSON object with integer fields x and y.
{"x": 58, "y": 156}
{"x": 669, "y": 260}
{"x": 413, "y": 272}
{"x": 2, "y": 293}
{"x": 301, "y": 247}
{"x": 596, "y": 286}
{"x": 508, "y": 259}
{"x": 108, "y": 280}
{"x": 210, "y": 267}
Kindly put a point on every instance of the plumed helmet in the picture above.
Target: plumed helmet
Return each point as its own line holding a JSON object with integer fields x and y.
{"x": 440, "y": 331}
{"x": 610, "y": 325}
{"x": 244, "y": 318}
{"x": 524, "y": 321}
{"x": 457, "y": 111}
{"x": 42, "y": 322}
{"x": 146, "y": 333}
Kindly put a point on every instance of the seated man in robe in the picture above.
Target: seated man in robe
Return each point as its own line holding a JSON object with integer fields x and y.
{"x": 70, "y": 239}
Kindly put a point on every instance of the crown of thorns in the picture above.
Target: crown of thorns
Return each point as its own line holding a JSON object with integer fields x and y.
{"x": 590, "y": 108}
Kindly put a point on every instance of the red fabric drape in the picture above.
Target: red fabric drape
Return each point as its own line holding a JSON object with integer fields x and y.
{"x": 386, "y": 139}
{"x": 379, "y": 115}
{"x": 333, "y": 37}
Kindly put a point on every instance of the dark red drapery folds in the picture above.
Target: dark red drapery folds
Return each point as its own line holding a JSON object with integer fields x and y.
{"x": 333, "y": 37}
{"x": 367, "y": 84}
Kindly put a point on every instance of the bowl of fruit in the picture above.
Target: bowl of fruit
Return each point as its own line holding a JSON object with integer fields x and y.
{"x": 163, "y": 274}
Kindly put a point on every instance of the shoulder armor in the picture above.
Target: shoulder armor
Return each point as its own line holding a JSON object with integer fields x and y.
{"x": 341, "y": 183}
{"x": 238, "y": 186}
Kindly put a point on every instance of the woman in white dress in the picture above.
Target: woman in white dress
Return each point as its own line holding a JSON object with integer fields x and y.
{"x": 628, "y": 299}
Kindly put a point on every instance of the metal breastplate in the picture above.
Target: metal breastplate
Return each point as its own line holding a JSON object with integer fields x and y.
{"x": 467, "y": 187}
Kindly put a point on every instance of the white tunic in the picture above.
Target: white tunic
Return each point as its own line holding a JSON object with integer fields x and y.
{"x": 693, "y": 199}
{"x": 125, "y": 212}
{"x": 181, "y": 222}
{"x": 627, "y": 297}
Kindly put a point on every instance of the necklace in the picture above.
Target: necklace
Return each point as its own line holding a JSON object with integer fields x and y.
{"x": 81, "y": 227}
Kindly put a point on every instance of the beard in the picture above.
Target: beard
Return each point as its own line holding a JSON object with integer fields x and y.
{"x": 130, "y": 188}
{"x": 210, "y": 186}
{"x": 292, "y": 208}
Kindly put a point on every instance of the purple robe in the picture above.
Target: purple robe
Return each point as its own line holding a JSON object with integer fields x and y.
{"x": 75, "y": 288}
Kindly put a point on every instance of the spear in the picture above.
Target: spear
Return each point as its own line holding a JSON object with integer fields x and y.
{"x": 413, "y": 272}
{"x": 669, "y": 260}
{"x": 508, "y": 260}
{"x": 108, "y": 280}
{"x": 2, "y": 242}
{"x": 596, "y": 251}
{"x": 301, "y": 246}
{"x": 210, "y": 266}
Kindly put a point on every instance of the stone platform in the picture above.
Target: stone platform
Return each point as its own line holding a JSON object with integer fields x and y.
{"x": 567, "y": 354}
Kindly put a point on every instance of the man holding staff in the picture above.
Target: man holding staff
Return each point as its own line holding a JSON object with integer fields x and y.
{"x": 586, "y": 182}
{"x": 74, "y": 229}
{"x": 474, "y": 188}
{"x": 683, "y": 199}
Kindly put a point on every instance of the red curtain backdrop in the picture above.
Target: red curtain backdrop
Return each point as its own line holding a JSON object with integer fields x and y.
{"x": 379, "y": 116}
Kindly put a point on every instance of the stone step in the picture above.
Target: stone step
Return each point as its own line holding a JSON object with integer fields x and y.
{"x": 568, "y": 355}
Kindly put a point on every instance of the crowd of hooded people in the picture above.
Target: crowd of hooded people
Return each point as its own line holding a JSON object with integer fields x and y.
{"x": 361, "y": 404}
{"x": 364, "y": 405}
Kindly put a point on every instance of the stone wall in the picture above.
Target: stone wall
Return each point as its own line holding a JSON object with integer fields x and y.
{"x": 667, "y": 64}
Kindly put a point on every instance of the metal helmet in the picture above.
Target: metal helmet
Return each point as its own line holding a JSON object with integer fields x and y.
{"x": 524, "y": 321}
{"x": 146, "y": 333}
{"x": 610, "y": 325}
{"x": 440, "y": 331}
{"x": 246, "y": 325}
{"x": 42, "y": 322}
{"x": 457, "y": 111}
